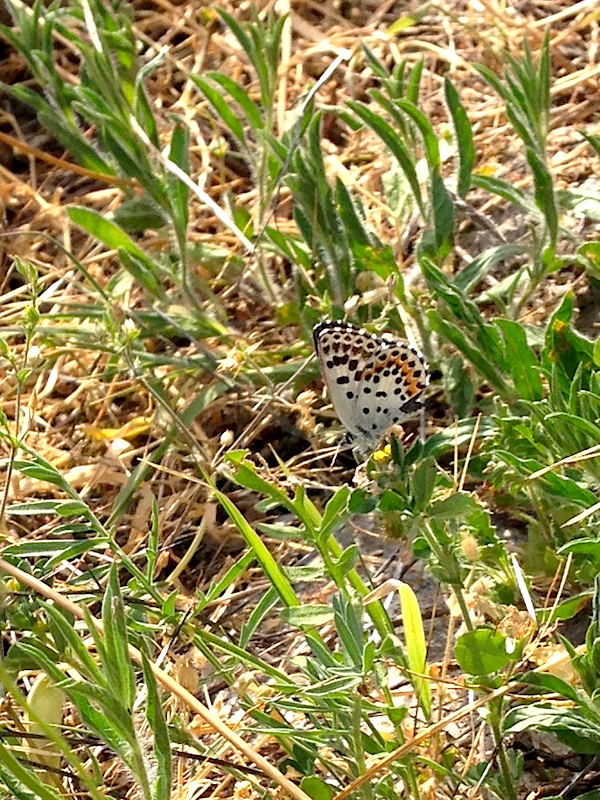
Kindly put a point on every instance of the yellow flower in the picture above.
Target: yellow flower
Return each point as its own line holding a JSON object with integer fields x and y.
{"x": 384, "y": 455}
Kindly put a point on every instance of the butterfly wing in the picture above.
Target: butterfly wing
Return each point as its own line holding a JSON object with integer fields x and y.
{"x": 373, "y": 382}
{"x": 340, "y": 354}
{"x": 391, "y": 388}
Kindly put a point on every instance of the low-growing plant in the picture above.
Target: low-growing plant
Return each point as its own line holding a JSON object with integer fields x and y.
{"x": 330, "y": 702}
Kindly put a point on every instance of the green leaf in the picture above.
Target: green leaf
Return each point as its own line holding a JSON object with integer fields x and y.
{"x": 313, "y": 615}
{"x": 590, "y": 253}
{"x": 430, "y": 140}
{"x": 64, "y": 508}
{"x": 584, "y": 205}
{"x": 348, "y": 213}
{"x": 177, "y": 190}
{"x": 112, "y": 236}
{"x": 507, "y": 191}
{"x": 161, "y": 789}
{"x": 482, "y": 651}
{"x": 262, "y": 554}
{"x": 397, "y": 148}
{"x": 347, "y": 560}
{"x": 544, "y": 193}
{"x": 470, "y": 275}
{"x": 455, "y": 507}
{"x": 423, "y": 483}
{"x": 349, "y": 626}
{"x": 142, "y": 272}
{"x": 589, "y": 547}
{"x": 568, "y": 608}
{"x": 316, "y": 788}
{"x": 413, "y": 83}
{"x": 522, "y": 363}
{"x": 246, "y": 476}
{"x": 570, "y": 725}
{"x": 493, "y": 80}
{"x": 377, "y": 68}
{"x": 464, "y": 138}
{"x": 564, "y": 348}
{"x": 138, "y": 214}
{"x": 105, "y": 716}
{"x": 283, "y": 532}
{"x": 560, "y": 485}
{"x": 360, "y": 502}
{"x": 22, "y": 781}
{"x": 381, "y": 261}
{"x": 458, "y": 386}
{"x": 117, "y": 662}
{"x": 443, "y": 215}
{"x": 221, "y": 108}
{"x": 241, "y": 97}
{"x": 264, "y": 606}
{"x": 415, "y": 645}
{"x": 472, "y": 353}
{"x": 552, "y": 684}
{"x": 41, "y": 471}
{"x": 56, "y": 550}
{"x": 142, "y": 109}
{"x": 83, "y": 660}
{"x": 391, "y": 501}
{"x": 483, "y": 335}
{"x": 336, "y": 511}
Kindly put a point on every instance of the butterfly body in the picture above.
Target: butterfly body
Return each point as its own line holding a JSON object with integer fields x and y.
{"x": 374, "y": 382}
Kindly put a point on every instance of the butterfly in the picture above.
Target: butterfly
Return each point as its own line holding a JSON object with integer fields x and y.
{"x": 374, "y": 382}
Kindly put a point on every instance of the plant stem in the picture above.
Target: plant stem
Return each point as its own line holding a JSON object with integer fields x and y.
{"x": 495, "y": 708}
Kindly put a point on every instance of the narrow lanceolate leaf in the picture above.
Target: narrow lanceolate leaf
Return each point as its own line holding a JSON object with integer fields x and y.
{"x": 111, "y": 235}
{"x": 506, "y": 191}
{"x": 241, "y": 97}
{"x": 544, "y": 72}
{"x": 483, "y": 263}
{"x": 430, "y": 140}
{"x": 64, "y": 508}
{"x": 376, "y": 66}
{"x": 21, "y": 781}
{"x": 389, "y": 137}
{"x": 464, "y": 138}
{"x": 221, "y": 108}
{"x": 270, "y": 567}
{"x": 117, "y": 661}
{"x": 416, "y": 649}
{"x": 413, "y": 83}
{"x": 544, "y": 193}
{"x": 161, "y": 790}
{"x": 443, "y": 215}
{"x": 177, "y": 191}
{"x": 450, "y": 331}
{"x": 521, "y": 361}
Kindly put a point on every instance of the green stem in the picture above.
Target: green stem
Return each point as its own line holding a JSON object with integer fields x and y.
{"x": 494, "y": 720}
{"x": 458, "y": 593}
